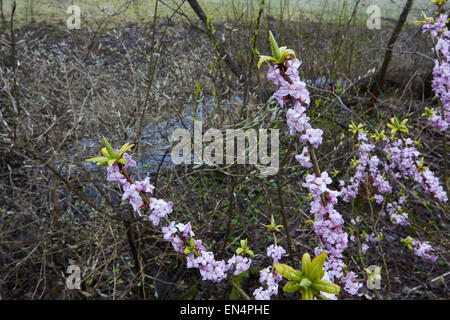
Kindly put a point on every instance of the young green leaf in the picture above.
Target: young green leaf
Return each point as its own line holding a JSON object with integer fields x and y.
{"x": 99, "y": 160}
{"x": 326, "y": 286}
{"x": 291, "y": 286}
{"x": 285, "y": 52}
{"x": 316, "y": 266}
{"x": 263, "y": 59}
{"x": 110, "y": 150}
{"x": 306, "y": 265}
{"x": 125, "y": 148}
{"x": 288, "y": 272}
{"x": 274, "y": 47}
{"x": 105, "y": 153}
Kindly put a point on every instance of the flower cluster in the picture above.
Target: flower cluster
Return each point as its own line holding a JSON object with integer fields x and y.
{"x": 133, "y": 191}
{"x": 423, "y": 249}
{"x": 203, "y": 260}
{"x": 399, "y": 159}
{"x": 275, "y": 252}
{"x": 352, "y": 285}
{"x": 177, "y": 234}
{"x": 210, "y": 269}
{"x": 366, "y": 168}
{"x": 304, "y": 158}
{"x": 269, "y": 277}
{"x": 160, "y": 209}
{"x": 403, "y": 161}
{"x": 328, "y": 223}
{"x": 115, "y": 176}
{"x": 239, "y": 264}
{"x": 216, "y": 270}
{"x": 435, "y": 26}
{"x": 170, "y": 234}
{"x": 420, "y": 249}
{"x": 440, "y": 36}
{"x": 317, "y": 185}
{"x": 334, "y": 267}
{"x": 396, "y": 212}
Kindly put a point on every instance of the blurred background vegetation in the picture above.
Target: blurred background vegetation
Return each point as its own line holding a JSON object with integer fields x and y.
{"x": 141, "y": 10}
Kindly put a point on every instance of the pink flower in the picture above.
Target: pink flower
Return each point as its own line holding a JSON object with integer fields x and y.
{"x": 352, "y": 285}
{"x": 364, "y": 248}
{"x": 281, "y": 97}
{"x": 132, "y": 194}
{"x": 170, "y": 231}
{"x": 274, "y": 75}
{"x": 261, "y": 294}
{"x": 292, "y": 66}
{"x": 296, "y": 89}
{"x": 270, "y": 279}
{"x": 435, "y": 27}
{"x": 317, "y": 185}
{"x": 313, "y": 137}
{"x": 275, "y": 252}
{"x": 441, "y": 71}
{"x": 160, "y": 209}
{"x": 145, "y": 185}
{"x": 186, "y": 230}
{"x": 130, "y": 161}
{"x": 239, "y": 264}
{"x": 170, "y": 234}
{"x": 423, "y": 249}
{"x": 378, "y": 198}
{"x": 114, "y": 176}
{"x": 209, "y": 268}
{"x": 296, "y": 119}
{"x": 304, "y": 158}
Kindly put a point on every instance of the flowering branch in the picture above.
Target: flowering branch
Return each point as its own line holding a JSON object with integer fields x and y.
{"x": 440, "y": 38}
{"x": 181, "y": 235}
{"x": 283, "y": 71}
